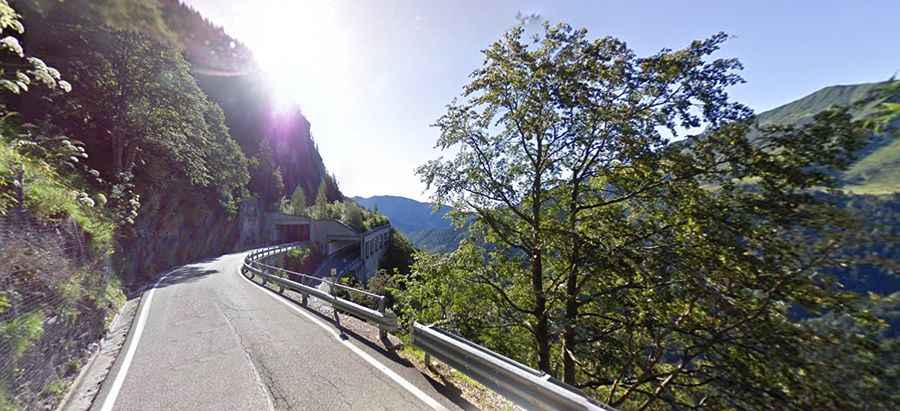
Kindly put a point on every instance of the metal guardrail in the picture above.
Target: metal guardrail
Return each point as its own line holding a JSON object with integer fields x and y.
{"x": 525, "y": 386}
{"x": 385, "y": 320}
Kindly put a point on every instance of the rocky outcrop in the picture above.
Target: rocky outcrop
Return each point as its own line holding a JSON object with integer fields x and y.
{"x": 252, "y": 222}
{"x": 175, "y": 227}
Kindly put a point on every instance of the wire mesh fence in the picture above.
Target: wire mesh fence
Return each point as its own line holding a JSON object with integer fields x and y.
{"x": 54, "y": 306}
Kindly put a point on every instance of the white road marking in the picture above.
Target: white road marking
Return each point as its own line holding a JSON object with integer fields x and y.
{"x": 358, "y": 351}
{"x": 110, "y": 399}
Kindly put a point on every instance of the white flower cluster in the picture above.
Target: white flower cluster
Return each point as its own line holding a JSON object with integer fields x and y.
{"x": 12, "y": 44}
{"x": 85, "y": 199}
{"x": 47, "y": 75}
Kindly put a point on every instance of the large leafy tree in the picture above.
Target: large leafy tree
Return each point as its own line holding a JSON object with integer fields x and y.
{"x": 138, "y": 109}
{"x": 649, "y": 251}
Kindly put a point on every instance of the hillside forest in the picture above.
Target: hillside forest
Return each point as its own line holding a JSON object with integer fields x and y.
{"x": 133, "y": 134}
{"x": 619, "y": 221}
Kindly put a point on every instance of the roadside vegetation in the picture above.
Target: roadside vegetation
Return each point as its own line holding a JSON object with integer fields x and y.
{"x": 58, "y": 294}
{"x": 622, "y": 224}
{"x": 346, "y": 211}
{"x": 707, "y": 265}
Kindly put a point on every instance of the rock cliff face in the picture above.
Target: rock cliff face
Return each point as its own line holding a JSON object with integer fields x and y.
{"x": 250, "y": 226}
{"x": 176, "y": 227}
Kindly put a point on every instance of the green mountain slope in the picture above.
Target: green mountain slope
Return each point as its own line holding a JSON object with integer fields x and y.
{"x": 425, "y": 228}
{"x": 877, "y": 171}
{"x": 406, "y": 214}
{"x": 804, "y": 109}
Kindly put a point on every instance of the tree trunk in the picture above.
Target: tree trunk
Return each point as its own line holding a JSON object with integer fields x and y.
{"x": 571, "y": 315}
{"x": 541, "y": 329}
{"x": 118, "y": 155}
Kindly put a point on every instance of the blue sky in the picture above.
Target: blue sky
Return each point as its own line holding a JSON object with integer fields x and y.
{"x": 373, "y": 75}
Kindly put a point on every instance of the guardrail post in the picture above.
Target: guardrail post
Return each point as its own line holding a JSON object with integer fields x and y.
{"x": 332, "y": 289}
{"x": 382, "y": 334}
{"x": 385, "y": 320}
{"x": 428, "y": 361}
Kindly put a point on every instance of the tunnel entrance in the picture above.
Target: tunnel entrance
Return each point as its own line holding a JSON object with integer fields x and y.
{"x": 289, "y": 233}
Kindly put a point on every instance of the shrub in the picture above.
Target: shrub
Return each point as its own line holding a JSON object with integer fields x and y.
{"x": 21, "y": 332}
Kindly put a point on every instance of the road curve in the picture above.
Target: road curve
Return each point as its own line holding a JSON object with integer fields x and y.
{"x": 208, "y": 339}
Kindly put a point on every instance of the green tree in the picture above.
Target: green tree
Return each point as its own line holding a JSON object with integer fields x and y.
{"x": 320, "y": 207}
{"x": 298, "y": 202}
{"x": 352, "y": 215}
{"x": 398, "y": 258}
{"x": 138, "y": 109}
{"x": 265, "y": 175}
{"x": 650, "y": 271}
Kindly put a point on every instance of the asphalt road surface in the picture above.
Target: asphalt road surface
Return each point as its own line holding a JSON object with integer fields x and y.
{"x": 206, "y": 338}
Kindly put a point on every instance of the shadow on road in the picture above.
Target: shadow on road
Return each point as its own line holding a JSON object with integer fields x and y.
{"x": 184, "y": 274}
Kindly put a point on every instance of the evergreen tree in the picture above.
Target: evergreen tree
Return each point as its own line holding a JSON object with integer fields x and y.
{"x": 266, "y": 178}
{"x": 298, "y": 202}
{"x": 320, "y": 207}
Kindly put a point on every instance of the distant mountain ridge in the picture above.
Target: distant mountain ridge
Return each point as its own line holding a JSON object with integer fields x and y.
{"x": 804, "y": 108}
{"x": 406, "y": 214}
{"x": 425, "y": 227}
{"x": 877, "y": 170}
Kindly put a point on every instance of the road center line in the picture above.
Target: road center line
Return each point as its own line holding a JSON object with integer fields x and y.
{"x": 358, "y": 351}
{"x": 110, "y": 399}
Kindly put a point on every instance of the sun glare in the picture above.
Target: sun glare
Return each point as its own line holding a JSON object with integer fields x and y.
{"x": 302, "y": 50}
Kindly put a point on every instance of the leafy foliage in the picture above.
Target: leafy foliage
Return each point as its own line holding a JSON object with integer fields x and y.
{"x": 169, "y": 129}
{"x": 652, "y": 274}
{"x": 17, "y": 71}
{"x": 49, "y": 186}
{"x": 353, "y": 215}
{"x": 320, "y": 207}
{"x": 347, "y": 211}
{"x": 265, "y": 175}
{"x": 398, "y": 258}
{"x": 297, "y": 205}
{"x": 21, "y": 332}
{"x": 304, "y": 260}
